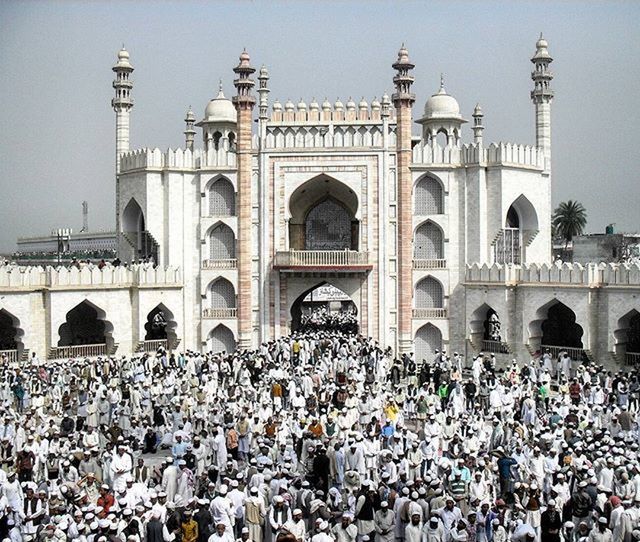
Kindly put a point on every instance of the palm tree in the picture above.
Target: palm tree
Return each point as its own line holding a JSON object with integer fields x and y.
{"x": 569, "y": 220}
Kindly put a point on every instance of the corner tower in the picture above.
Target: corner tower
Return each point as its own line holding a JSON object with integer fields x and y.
{"x": 542, "y": 96}
{"x": 244, "y": 103}
{"x": 403, "y": 101}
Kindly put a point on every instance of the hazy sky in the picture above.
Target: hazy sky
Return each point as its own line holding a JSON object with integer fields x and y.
{"x": 57, "y": 126}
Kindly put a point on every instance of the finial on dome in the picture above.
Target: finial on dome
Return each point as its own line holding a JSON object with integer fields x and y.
{"x": 442, "y": 90}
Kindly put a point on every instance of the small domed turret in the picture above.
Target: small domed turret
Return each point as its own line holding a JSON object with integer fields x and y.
{"x": 277, "y": 106}
{"x": 220, "y": 109}
{"x": 288, "y": 106}
{"x": 326, "y": 105}
{"x": 301, "y": 105}
{"x": 375, "y": 104}
{"x": 314, "y": 105}
{"x": 338, "y": 105}
{"x": 351, "y": 104}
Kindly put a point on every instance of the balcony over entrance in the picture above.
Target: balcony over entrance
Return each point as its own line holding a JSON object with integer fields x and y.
{"x": 323, "y": 260}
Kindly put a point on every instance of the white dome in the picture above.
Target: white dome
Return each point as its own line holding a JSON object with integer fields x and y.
{"x": 220, "y": 109}
{"x": 441, "y": 105}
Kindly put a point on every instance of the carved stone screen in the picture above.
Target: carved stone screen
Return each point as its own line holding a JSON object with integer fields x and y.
{"x": 328, "y": 227}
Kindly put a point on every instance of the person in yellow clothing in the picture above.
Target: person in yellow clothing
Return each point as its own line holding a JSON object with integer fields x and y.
{"x": 391, "y": 411}
{"x": 189, "y": 528}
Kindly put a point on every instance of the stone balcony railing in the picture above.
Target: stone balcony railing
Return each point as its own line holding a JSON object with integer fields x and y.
{"x": 420, "y": 265}
{"x": 322, "y": 259}
{"x": 78, "y": 351}
{"x": 220, "y": 314}
{"x": 220, "y": 264}
{"x": 430, "y": 313}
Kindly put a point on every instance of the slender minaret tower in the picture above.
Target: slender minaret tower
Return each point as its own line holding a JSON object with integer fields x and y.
{"x": 122, "y": 103}
{"x": 403, "y": 100}
{"x": 189, "y": 132}
{"x": 478, "y": 127}
{"x": 263, "y": 91}
{"x": 244, "y": 102}
{"x": 542, "y": 96}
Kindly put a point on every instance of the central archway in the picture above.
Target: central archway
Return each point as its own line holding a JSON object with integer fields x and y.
{"x": 324, "y": 307}
{"x": 10, "y": 332}
{"x": 323, "y": 216}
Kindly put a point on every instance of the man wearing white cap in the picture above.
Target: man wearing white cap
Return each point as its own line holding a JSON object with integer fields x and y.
{"x": 296, "y": 525}
{"x": 254, "y": 515}
{"x": 345, "y": 531}
{"x": 222, "y": 509}
{"x": 121, "y": 466}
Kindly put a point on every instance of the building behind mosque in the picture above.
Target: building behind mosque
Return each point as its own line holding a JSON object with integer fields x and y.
{"x": 441, "y": 240}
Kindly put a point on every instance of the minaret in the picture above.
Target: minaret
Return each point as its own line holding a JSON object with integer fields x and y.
{"x": 542, "y": 95}
{"x": 122, "y": 103}
{"x": 403, "y": 100}
{"x": 478, "y": 127}
{"x": 189, "y": 132}
{"x": 244, "y": 102}
{"x": 263, "y": 91}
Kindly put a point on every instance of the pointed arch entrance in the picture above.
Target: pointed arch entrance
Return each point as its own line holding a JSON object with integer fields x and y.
{"x": 428, "y": 339}
{"x": 627, "y": 338}
{"x": 10, "y": 334}
{"x": 85, "y": 324}
{"x": 134, "y": 231}
{"x": 323, "y": 216}
{"x": 555, "y": 329}
{"x": 221, "y": 339}
{"x": 160, "y": 325}
{"x": 324, "y": 307}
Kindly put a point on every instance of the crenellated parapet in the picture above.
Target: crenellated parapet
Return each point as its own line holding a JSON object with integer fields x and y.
{"x": 496, "y": 154}
{"x": 330, "y": 125}
{"x": 180, "y": 159}
{"x": 590, "y": 275}
{"x": 34, "y": 278}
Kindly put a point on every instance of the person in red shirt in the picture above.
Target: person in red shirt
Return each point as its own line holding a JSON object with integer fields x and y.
{"x": 105, "y": 500}
{"x": 574, "y": 392}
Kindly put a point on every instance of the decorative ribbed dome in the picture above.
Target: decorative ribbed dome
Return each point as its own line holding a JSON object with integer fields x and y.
{"x": 363, "y": 104}
{"x": 288, "y": 106}
{"x": 277, "y": 106}
{"x": 351, "y": 104}
{"x": 314, "y": 105}
{"x": 302, "y": 105}
{"x": 441, "y": 105}
{"x": 220, "y": 109}
{"x": 338, "y": 104}
{"x": 123, "y": 58}
{"x": 326, "y": 104}
{"x": 375, "y": 104}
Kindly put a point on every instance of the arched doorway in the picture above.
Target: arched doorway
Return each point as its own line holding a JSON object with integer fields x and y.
{"x": 428, "y": 339}
{"x": 486, "y": 333}
{"x": 323, "y": 216}
{"x": 560, "y": 332}
{"x": 627, "y": 338}
{"x": 160, "y": 325}
{"x": 85, "y": 324}
{"x": 221, "y": 339}
{"x": 10, "y": 332}
{"x": 521, "y": 224}
{"x": 324, "y": 308}
{"x": 135, "y": 232}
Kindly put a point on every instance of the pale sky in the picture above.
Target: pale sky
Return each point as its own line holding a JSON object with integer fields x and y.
{"x": 57, "y": 127}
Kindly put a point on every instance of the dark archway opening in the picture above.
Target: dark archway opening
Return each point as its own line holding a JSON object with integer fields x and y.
{"x": 83, "y": 325}
{"x": 560, "y": 328}
{"x": 8, "y": 331}
{"x": 324, "y": 308}
{"x": 156, "y": 326}
{"x": 633, "y": 334}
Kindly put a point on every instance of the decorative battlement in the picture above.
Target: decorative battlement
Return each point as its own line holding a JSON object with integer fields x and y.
{"x": 331, "y": 113}
{"x": 32, "y": 278}
{"x": 592, "y": 275}
{"x": 142, "y": 159}
{"x": 496, "y": 154}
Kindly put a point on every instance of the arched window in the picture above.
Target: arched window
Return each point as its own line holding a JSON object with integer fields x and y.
{"x": 429, "y": 197}
{"x": 221, "y": 339}
{"x": 83, "y": 325}
{"x": 222, "y": 243}
{"x": 222, "y": 198}
{"x": 222, "y": 294}
{"x": 429, "y": 294}
{"x": 428, "y": 340}
{"x": 429, "y": 242}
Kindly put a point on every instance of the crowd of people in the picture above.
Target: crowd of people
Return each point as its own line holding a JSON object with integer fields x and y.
{"x": 322, "y": 319}
{"x": 320, "y": 436}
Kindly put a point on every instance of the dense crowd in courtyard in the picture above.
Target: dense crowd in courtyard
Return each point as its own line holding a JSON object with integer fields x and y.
{"x": 321, "y": 436}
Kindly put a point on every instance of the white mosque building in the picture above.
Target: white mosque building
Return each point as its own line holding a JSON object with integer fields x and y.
{"x": 440, "y": 239}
